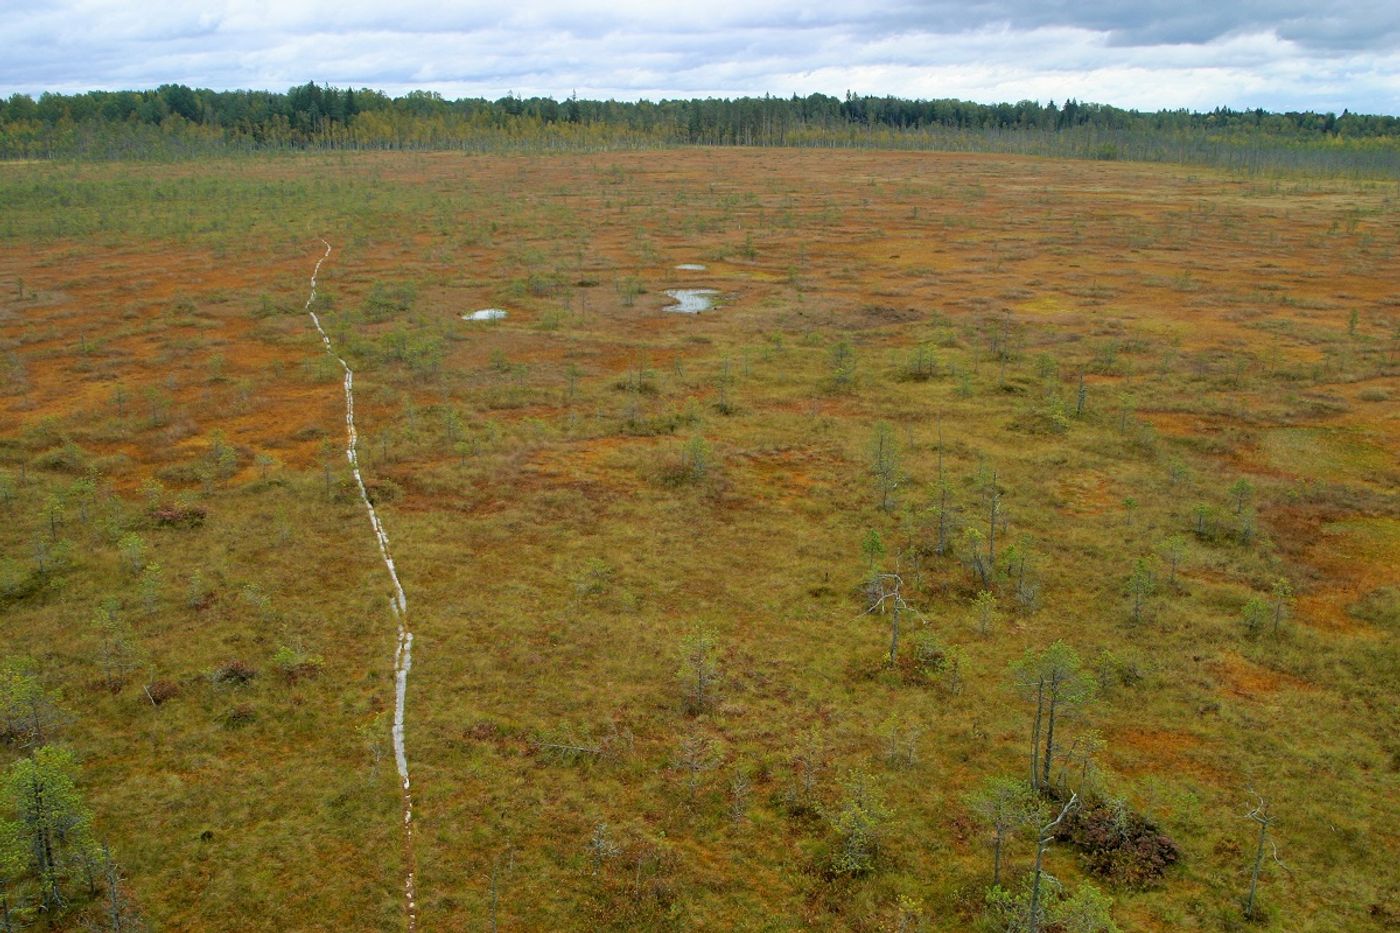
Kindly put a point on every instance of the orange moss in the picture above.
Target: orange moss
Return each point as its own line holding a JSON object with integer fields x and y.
{"x": 1245, "y": 679}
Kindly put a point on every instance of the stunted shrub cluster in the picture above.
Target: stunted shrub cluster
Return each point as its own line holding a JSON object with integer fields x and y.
{"x": 1119, "y": 845}
{"x": 635, "y": 881}
{"x": 235, "y": 672}
{"x": 178, "y": 515}
{"x": 295, "y": 664}
{"x": 241, "y": 715}
{"x": 858, "y": 825}
{"x": 690, "y": 467}
{"x": 161, "y": 691}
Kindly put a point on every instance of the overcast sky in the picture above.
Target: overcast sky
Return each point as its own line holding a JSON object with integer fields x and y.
{"x": 1148, "y": 54}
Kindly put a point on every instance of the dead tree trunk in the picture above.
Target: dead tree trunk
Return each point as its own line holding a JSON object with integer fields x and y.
{"x": 993, "y": 515}
{"x": 1260, "y": 815}
{"x": 1035, "y": 735}
{"x": 1043, "y": 840}
{"x": 1049, "y": 737}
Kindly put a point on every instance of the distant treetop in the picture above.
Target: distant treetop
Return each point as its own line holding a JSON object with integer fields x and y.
{"x": 114, "y": 124}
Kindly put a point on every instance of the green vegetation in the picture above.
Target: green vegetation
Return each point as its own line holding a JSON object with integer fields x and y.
{"x": 174, "y": 121}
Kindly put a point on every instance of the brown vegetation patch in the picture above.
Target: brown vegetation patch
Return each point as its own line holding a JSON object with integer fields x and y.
{"x": 1087, "y": 492}
{"x": 787, "y": 471}
{"x": 596, "y": 465}
{"x": 1246, "y": 679}
{"x": 1178, "y": 423}
{"x": 1341, "y": 559}
{"x": 1162, "y": 751}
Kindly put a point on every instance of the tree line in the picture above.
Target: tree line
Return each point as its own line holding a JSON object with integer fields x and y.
{"x": 175, "y": 120}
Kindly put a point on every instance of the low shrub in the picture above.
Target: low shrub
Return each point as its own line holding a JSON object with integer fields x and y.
{"x": 235, "y": 672}
{"x": 295, "y": 664}
{"x": 161, "y": 691}
{"x": 178, "y": 516}
{"x": 1119, "y": 845}
{"x": 238, "y": 717}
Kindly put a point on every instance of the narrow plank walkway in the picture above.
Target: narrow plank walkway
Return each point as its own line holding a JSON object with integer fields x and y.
{"x": 398, "y": 605}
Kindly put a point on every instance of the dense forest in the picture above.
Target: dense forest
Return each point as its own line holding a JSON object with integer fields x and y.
{"x": 174, "y": 120}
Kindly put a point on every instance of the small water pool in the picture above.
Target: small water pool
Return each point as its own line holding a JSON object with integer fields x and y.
{"x": 691, "y": 300}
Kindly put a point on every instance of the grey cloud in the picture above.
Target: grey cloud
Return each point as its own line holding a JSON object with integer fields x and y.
{"x": 1145, "y": 53}
{"x": 1351, "y": 24}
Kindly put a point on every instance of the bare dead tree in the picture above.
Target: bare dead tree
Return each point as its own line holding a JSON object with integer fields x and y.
{"x": 1261, "y": 816}
{"x": 569, "y": 752}
{"x": 884, "y": 465}
{"x": 887, "y": 598}
{"x": 945, "y": 508}
{"x": 994, "y": 518}
{"x": 1043, "y": 840}
{"x": 695, "y": 755}
{"x": 601, "y": 847}
{"x": 500, "y": 867}
{"x": 119, "y": 912}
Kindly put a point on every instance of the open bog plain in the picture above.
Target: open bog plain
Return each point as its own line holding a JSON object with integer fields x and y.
{"x": 724, "y": 620}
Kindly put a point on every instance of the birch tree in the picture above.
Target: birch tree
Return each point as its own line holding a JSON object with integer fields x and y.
{"x": 859, "y": 823}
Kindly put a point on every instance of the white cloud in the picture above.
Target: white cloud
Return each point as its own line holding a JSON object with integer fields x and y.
{"x": 1149, "y": 54}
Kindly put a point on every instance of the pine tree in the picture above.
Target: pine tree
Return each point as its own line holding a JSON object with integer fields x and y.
{"x": 50, "y": 837}
{"x": 1055, "y": 681}
{"x": 1005, "y": 805}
